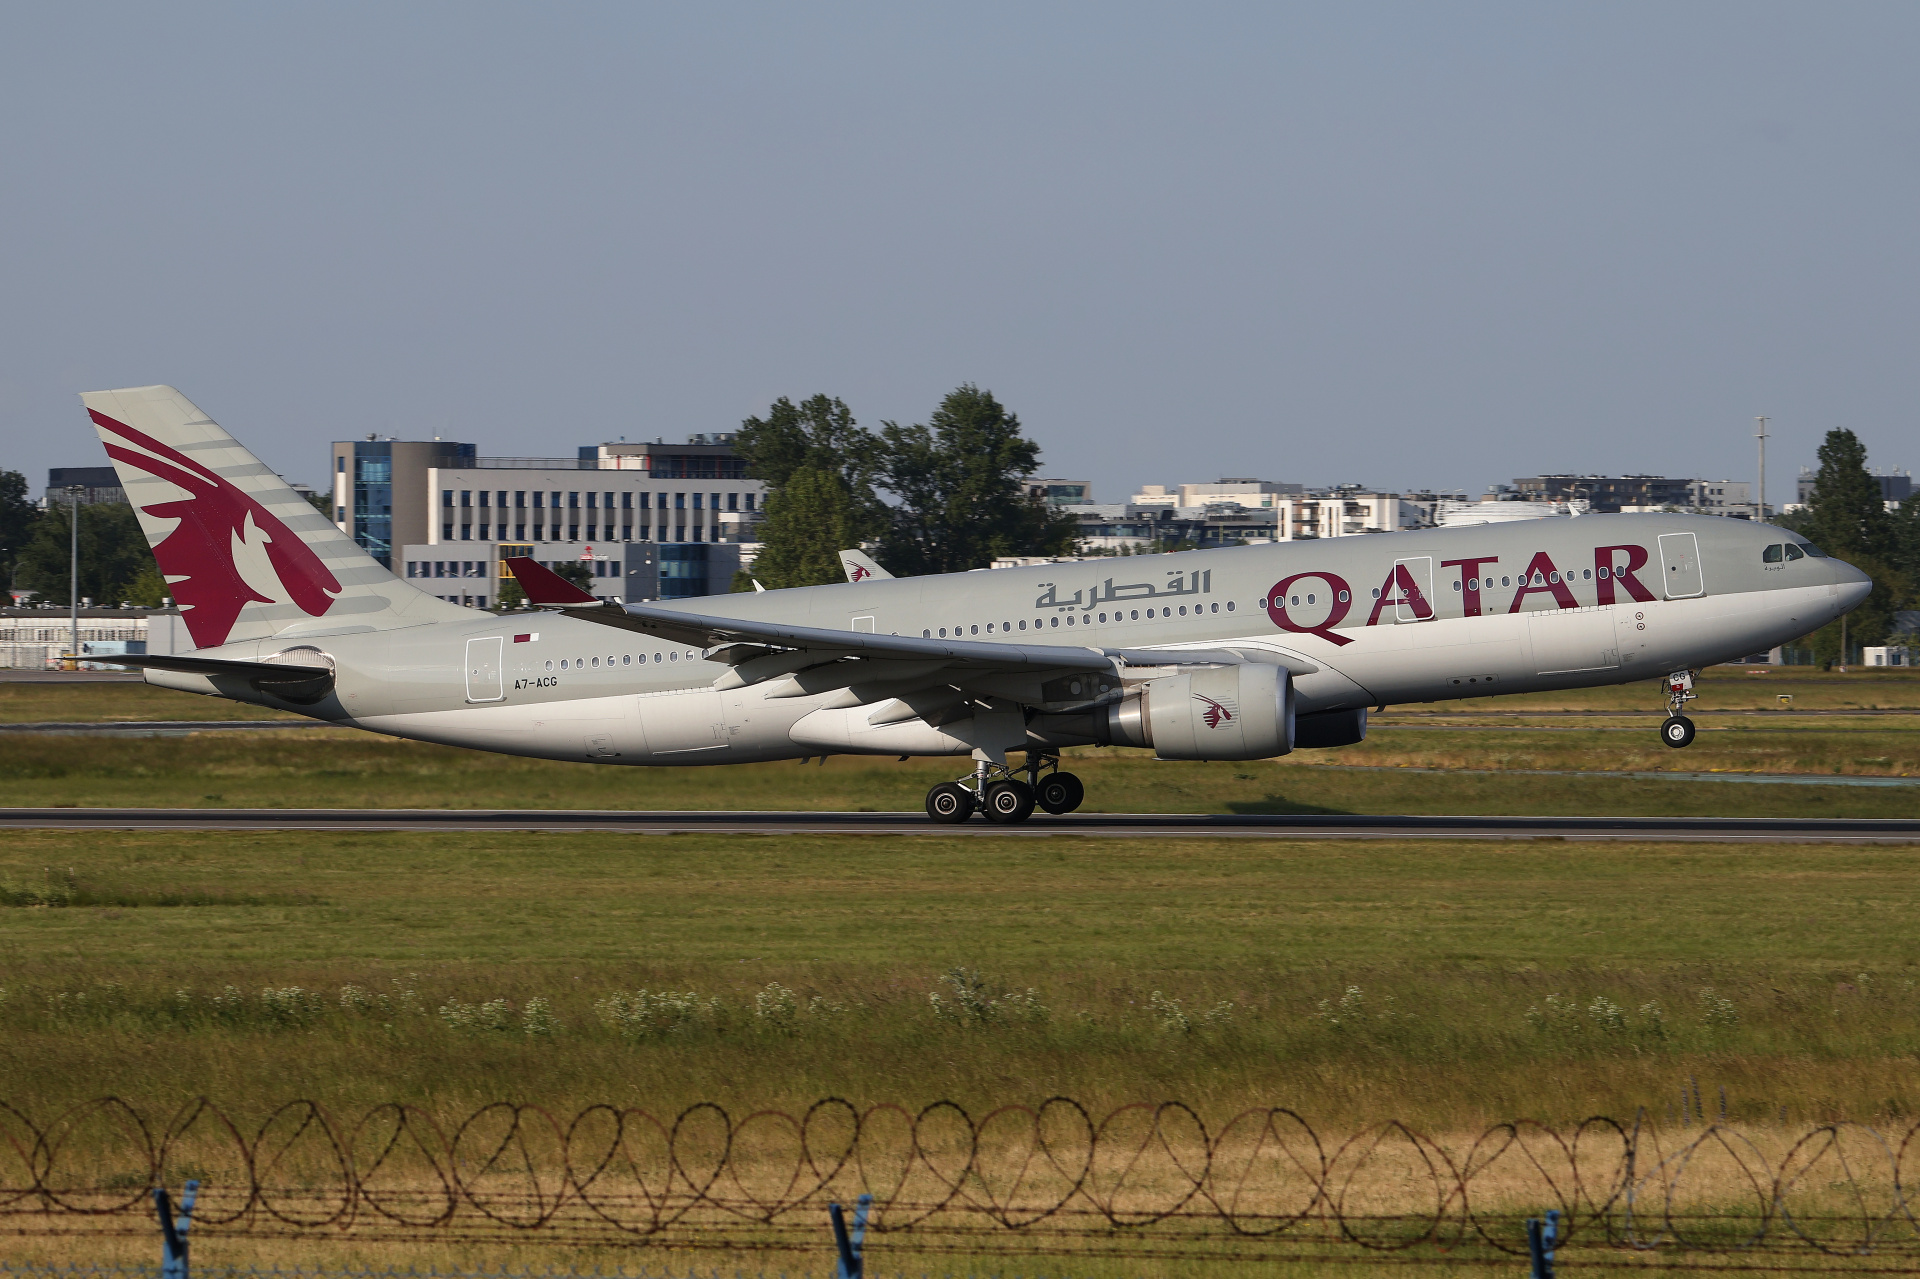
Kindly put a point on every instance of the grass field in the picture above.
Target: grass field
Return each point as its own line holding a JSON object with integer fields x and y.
{"x": 1448, "y": 984}
{"x": 347, "y": 768}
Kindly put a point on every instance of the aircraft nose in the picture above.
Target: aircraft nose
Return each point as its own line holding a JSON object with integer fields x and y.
{"x": 1854, "y": 585}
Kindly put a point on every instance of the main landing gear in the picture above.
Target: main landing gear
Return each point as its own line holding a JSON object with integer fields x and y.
{"x": 1002, "y": 796}
{"x": 1677, "y": 731}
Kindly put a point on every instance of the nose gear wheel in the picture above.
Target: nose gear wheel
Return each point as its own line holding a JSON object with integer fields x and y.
{"x": 1677, "y": 731}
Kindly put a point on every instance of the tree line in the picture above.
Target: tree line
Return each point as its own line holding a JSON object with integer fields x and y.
{"x": 957, "y": 485}
{"x": 1847, "y": 517}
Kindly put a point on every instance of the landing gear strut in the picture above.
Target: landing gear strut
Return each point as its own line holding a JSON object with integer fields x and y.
{"x": 1677, "y": 731}
{"x": 1003, "y": 796}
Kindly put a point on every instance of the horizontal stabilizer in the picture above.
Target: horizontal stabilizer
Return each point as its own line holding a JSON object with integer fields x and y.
{"x": 546, "y": 587}
{"x": 304, "y": 685}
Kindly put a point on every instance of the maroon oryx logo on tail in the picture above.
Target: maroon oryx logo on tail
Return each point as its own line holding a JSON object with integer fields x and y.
{"x": 860, "y": 571}
{"x": 1215, "y": 715}
{"x": 197, "y": 557}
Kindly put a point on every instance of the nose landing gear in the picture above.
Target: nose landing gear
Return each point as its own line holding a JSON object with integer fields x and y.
{"x": 1678, "y": 730}
{"x": 1002, "y": 796}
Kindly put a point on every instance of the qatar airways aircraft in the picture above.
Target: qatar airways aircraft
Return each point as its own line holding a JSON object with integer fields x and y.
{"x": 1240, "y": 653}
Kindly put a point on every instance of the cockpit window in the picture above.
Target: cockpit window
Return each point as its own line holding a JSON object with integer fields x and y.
{"x": 1794, "y": 552}
{"x": 1813, "y": 550}
{"x": 1772, "y": 555}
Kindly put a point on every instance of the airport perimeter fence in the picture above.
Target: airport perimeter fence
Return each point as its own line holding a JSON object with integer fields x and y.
{"x": 1054, "y": 1185}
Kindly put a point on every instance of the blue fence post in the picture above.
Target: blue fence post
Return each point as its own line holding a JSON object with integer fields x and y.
{"x": 849, "y": 1244}
{"x": 173, "y": 1232}
{"x": 1550, "y": 1236}
{"x": 1540, "y": 1248}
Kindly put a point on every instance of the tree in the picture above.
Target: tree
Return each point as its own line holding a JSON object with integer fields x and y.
{"x": 18, "y": 515}
{"x": 1847, "y": 517}
{"x": 1904, "y": 554}
{"x": 113, "y": 553}
{"x": 960, "y": 481}
{"x": 810, "y": 519}
{"x": 511, "y": 594}
{"x": 818, "y": 465}
{"x": 579, "y": 572}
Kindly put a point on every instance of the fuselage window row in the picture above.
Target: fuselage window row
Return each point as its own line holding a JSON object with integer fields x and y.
{"x": 1041, "y": 623}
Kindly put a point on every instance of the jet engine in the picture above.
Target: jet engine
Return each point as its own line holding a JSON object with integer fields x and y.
{"x": 1209, "y": 712}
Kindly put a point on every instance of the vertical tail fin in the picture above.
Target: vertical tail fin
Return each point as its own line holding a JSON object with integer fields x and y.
{"x": 246, "y": 556}
{"x": 859, "y": 567}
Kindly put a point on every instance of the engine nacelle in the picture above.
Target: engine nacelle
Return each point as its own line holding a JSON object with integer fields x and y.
{"x": 1211, "y": 712}
{"x": 1330, "y": 728}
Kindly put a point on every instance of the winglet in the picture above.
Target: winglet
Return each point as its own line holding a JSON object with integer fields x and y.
{"x": 859, "y": 567}
{"x": 544, "y": 586}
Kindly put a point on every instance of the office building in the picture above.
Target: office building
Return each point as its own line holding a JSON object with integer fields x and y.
{"x": 438, "y": 503}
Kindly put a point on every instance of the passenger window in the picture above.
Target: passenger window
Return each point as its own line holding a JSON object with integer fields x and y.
{"x": 1215, "y": 609}
{"x": 1136, "y": 615}
{"x": 1023, "y": 623}
{"x": 1794, "y": 552}
{"x": 974, "y": 631}
{"x": 1103, "y": 617}
{"x": 1772, "y": 555}
{"x": 1229, "y": 606}
{"x": 1056, "y": 619}
{"x": 1603, "y": 574}
{"x": 1183, "y": 610}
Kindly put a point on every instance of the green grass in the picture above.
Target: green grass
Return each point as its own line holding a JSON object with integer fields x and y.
{"x": 1463, "y": 939}
{"x": 345, "y": 768}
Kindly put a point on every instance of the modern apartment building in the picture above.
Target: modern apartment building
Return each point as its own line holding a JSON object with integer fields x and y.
{"x": 438, "y": 503}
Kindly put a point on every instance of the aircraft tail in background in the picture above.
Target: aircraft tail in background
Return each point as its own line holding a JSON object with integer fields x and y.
{"x": 859, "y": 567}
{"x": 245, "y": 557}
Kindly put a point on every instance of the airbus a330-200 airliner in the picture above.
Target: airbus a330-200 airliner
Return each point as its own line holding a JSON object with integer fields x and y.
{"x": 1237, "y": 653}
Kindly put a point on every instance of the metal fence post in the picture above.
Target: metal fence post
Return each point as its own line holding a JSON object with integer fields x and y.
{"x": 1540, "y": 1247}
{"x": 173, "y": 1232}
{"x": 850, "y": 1264}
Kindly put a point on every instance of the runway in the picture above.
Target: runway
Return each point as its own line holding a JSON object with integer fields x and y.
{"x": 1105, "y": 825}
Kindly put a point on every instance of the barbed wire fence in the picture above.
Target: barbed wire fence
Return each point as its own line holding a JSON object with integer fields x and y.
{"x": 1049, "y": 1183}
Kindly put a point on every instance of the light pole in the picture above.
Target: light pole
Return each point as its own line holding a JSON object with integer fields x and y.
{"x": 73, "y": 570}
{"x": 1760, "y": 499}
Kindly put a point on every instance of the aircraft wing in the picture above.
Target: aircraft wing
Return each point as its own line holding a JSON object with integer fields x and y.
{"x": 816, "y": 659}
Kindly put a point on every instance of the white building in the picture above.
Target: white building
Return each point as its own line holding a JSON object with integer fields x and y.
{"x": 1247, "y": 493}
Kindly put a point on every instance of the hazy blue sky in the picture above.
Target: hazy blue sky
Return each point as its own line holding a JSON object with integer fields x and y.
{"x": 1406, "y": 245}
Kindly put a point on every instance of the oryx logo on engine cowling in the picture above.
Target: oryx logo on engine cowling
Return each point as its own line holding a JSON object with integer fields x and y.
{"x": 1215, "y": 714}
{"x": 198, "y": 558}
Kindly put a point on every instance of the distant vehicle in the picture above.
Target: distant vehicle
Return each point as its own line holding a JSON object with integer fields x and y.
{"x": 1231, "y": 654}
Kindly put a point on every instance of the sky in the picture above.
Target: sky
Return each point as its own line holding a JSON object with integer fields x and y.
{"x": 1408, "y": 245}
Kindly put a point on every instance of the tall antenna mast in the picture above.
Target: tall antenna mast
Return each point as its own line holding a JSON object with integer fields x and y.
{"x": 1760, "y": 498}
